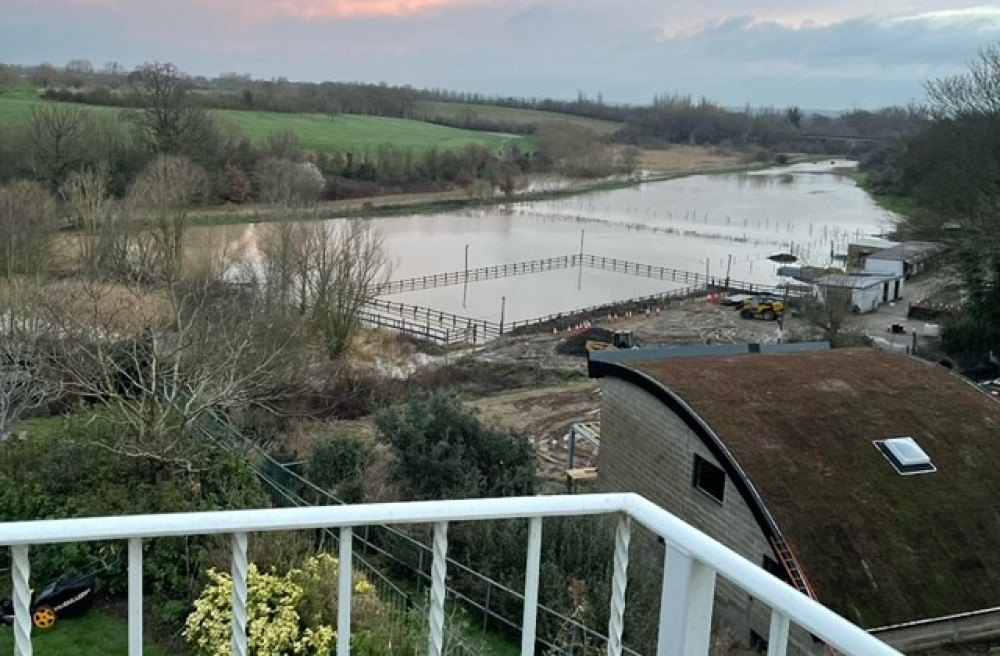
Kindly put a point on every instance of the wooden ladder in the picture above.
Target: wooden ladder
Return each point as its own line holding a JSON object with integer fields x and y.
{"x": 796, "y": 576}
{"x": 791, "y": 564}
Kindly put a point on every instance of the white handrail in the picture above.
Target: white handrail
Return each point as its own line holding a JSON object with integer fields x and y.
{"x": 683, "y": 541}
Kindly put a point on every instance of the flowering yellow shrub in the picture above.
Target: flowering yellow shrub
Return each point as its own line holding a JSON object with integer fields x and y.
{"x": 288, "y": 615}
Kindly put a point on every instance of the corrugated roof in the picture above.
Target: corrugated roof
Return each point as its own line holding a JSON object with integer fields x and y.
{"x": 880, "y": 548}
{"x": 909, "y": 251}
{"x": 853, "y": 281}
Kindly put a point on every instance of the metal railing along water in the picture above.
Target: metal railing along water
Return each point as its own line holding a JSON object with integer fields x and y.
{"x": 692, "y": 562}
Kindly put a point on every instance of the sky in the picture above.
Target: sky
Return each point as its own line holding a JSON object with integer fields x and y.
{"x": 817, "y": 54}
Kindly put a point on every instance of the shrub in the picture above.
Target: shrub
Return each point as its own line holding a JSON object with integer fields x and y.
{"x": 296, "y": 613}
{"x": 445, "y": 452}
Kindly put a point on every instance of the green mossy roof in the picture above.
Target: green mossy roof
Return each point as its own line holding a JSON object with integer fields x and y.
{"x": 879, "y": 548}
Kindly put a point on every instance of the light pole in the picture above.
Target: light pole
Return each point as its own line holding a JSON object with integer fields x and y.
{"x": 503, "y": 306}
{"x": 465, "y": 285}
{"x": 579, "y": 275}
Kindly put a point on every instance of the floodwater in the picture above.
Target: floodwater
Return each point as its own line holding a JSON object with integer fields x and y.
{"x": 716, "y": 224}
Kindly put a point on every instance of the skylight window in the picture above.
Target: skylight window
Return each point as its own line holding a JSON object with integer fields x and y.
{"x": 906, "y": 455}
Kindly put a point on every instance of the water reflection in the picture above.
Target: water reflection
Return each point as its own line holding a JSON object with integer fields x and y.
{"x": 692, "y": 224}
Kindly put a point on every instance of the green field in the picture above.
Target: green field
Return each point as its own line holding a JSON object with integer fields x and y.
{"x": 347, "y": 132}
{"x": 514, "y": 115}
{"x": 352, "y": 132}
{"x": 93, "y": 634}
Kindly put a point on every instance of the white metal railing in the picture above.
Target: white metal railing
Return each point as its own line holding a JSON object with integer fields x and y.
{"x": 691, "y": 564}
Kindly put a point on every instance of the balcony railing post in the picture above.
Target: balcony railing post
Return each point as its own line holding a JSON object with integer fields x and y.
{"x": 22, "y": 601}
{"x": 619, "y": 579}
{"x": 344, "y": 593}
{"x": 531, "y": 586}
{"x": 135, "y": 597}
{"x": 240, "y": 574}
{"x": 777, "y": 639}
{"x": 685, "y": 606}
{"x": 439, "y": 567}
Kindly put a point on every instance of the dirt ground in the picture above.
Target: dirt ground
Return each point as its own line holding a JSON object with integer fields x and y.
{"x": 686, "y": 158}
{"x": 545, "y": 415}
{"x": 686, "y": 323}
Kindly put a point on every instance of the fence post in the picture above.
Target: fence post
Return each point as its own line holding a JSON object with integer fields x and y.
{"x": 486, "y": 605}
{"x": 344, "y": 593}
{"x": 531, "y": 586}
{"x": 21, "y": 574}
{"x": 439, "y": 567}
{"x": 239, "y": 572}
{"x": 685, "y": 605}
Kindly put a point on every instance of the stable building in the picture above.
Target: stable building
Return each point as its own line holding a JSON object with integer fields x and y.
{"x": 865, "y": 479}
{"x": 906, "y": 259}
{"x": 863, "y": 292}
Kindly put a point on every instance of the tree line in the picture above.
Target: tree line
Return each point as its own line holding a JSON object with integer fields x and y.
{"x": 950, "y": 171}
{"x": 667, "y": 119}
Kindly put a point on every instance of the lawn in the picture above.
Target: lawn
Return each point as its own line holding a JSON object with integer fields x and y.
{"x": 93, "y": 634}
{"x": 514, "y": 115}
{"x": 345, "y": 132}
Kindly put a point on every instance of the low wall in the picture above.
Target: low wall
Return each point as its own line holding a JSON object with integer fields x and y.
{"x": 951, "y": 630}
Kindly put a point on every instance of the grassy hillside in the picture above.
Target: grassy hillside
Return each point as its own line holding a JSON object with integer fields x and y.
{"x": 350, "y": 132}
{"x": 514, "y": 115}
{"x": 316, "y": 132}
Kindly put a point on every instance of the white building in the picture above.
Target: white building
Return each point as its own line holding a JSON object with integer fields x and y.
{"x": 866, "y": 292}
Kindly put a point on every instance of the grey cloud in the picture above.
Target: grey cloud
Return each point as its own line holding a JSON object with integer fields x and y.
{"x": 868, "y": 41}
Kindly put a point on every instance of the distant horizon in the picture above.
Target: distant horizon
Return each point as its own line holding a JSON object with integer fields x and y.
{"x": 826, "y": 111}
{"x": 781, "y": 53}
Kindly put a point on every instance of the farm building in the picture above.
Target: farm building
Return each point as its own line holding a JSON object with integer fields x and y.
{"x": 795, "y": 457}
{"x": 866, "y": 292}
{"x": 859, "y": 249}
{"x": 906, "y": 259}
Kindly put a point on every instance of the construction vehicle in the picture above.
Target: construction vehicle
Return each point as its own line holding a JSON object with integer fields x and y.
{"x": 762, "y": 307}
{"x": 622, "y": 339}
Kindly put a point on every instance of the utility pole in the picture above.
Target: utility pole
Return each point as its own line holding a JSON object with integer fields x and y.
{"x": 503, "y": 306}
{"x": 579, "y": 275}
{"x": 729, "y": 267}
{"x": 784, "y": 308}
{"x": 465, "y": 286}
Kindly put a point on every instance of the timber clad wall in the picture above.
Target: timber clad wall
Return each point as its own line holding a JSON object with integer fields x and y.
{"x": 647, "y": 449}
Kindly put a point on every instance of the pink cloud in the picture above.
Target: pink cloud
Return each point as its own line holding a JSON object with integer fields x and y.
{"x": 321, "y": 9}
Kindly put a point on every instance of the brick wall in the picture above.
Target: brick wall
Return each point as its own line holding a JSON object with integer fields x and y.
{"x": 647, "y": 449}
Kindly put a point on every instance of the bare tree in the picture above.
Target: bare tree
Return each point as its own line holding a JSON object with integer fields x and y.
{"x": 165, "y": 192}
{"x": 85, "y": 193}
{"x": 162, "y": 362}
{"x": 287, "y": 183}
{"x": 327, "y": 273}
{"x": 348, "y": 263}
{"x": 24, "y": 382}
{"x": 27, "y": 224}
{"x": 171, "y": 117}
{"x": 976, "y": 93}
{"x": 57, "y": 138}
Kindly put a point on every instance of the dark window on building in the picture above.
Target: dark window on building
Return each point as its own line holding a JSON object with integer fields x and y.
{"x": 774, "y": 568}
{"x": 709, "y": 479}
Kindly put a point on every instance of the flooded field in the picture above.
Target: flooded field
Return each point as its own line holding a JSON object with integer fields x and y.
{"x": 705, "y": 224}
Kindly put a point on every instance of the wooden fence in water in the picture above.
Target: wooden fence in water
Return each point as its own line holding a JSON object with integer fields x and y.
{"x": 446, "y": 329}
{"x": 599, "y": 262}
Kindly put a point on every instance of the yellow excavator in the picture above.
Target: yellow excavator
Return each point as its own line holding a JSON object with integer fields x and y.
{"x": 762, "y": 307}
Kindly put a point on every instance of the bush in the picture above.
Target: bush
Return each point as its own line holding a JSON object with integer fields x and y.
{"x": 445, "y": 452}
{"x": 296, "y": 613}
{"x": 61, "y": 471}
